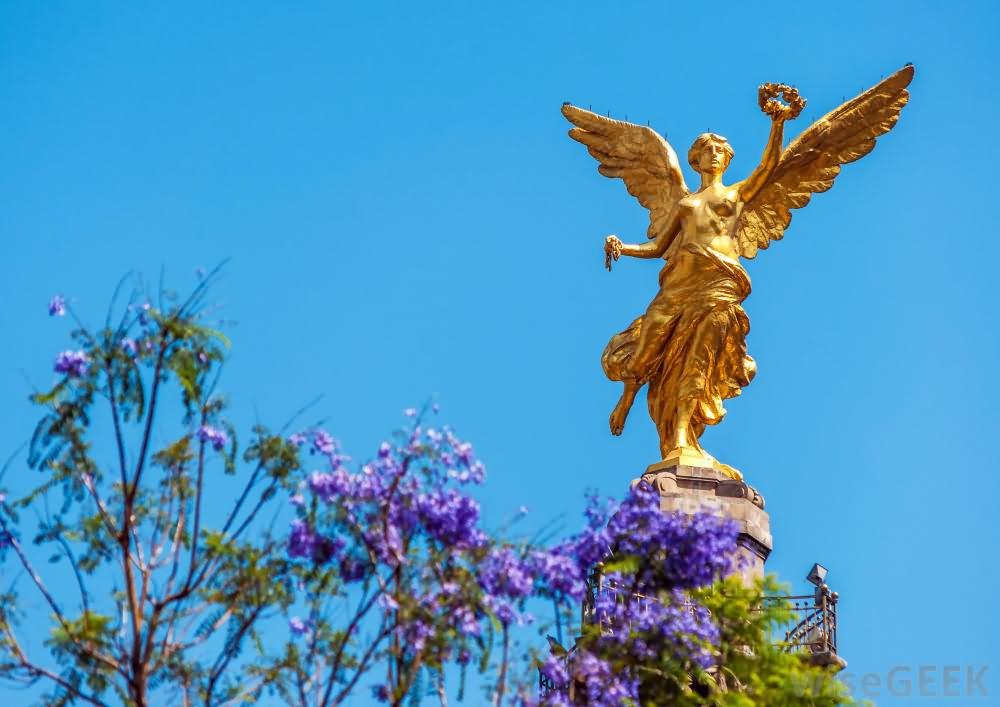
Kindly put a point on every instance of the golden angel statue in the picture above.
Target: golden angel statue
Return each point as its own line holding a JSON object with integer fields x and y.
{"x": 690, "y": 344}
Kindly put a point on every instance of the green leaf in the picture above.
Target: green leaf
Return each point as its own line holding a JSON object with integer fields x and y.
{"x": 626, "y": 564}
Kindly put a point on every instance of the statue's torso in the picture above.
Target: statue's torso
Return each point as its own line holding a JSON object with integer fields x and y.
{"x": 709, "y": 217}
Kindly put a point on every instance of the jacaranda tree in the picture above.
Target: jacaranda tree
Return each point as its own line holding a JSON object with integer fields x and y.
{"x": 190, "y": 568}
{"x": 164, "y": 593}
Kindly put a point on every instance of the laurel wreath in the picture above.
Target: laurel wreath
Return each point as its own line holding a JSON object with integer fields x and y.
{"x": 767, "y": 97}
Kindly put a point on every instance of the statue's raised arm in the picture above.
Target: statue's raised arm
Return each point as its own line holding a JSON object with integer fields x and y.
{"x": 767, "y": 96}
{"x": 813, "y": 160}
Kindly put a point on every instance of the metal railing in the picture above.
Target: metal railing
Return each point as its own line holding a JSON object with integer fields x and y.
{"x": 815, "y": 631}
{"x": 812, "y": 632}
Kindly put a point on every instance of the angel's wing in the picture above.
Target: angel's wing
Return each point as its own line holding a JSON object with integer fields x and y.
{"x": 644, "y": 161}
{"x": 812, "y": 161}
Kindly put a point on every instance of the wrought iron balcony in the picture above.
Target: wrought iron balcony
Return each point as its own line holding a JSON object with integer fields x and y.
{"x": 813, "y": 632}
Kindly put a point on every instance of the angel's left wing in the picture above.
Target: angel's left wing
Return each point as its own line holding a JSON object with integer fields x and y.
{"x": 812, "y": 161}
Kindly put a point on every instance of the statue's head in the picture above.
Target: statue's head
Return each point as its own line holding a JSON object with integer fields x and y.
{"x": 710, "y": 154}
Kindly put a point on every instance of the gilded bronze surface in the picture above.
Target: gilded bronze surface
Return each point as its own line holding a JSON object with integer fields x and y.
{"x": 689, "y": 346}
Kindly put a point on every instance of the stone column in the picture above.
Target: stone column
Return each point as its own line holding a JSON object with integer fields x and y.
{"x": 688, "y": 487}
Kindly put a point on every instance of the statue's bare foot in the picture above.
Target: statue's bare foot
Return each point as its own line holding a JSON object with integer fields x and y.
{"x": 618, "y": 416}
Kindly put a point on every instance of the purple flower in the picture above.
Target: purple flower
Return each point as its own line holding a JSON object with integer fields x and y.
{"x": 352, "y": 570}
{"x": 410, "y": 412}
{"x": 416, "y": 633}
{"x": 299, "y": 627}
{"x": 331, "y": 486}
{"x": 216, "y": 437}
{"x": 476, "y": 474}
{"x": 504, "y": 575}
{"x": 648, "y": 627}
{"x": 386, "y": 542}
{"x": 559, "y": 573}
{"x": 304, "y": 543}
{"x": 464, "y": 453}
{"x": 504, "y": 611}
{"x": 683, "y": 551}
{"x": 57, "y": 306}
{"x": 675, "y": 551}
{"x": 465, "y": 619}
{"x": 129, "y": 346}
{"x": 603, "y": 685}
{"x": 297, "y": 439}
{"x": 72, "y": 363}
{"x": 554, "y": 668}
{"x": 298, "y": 500}
{"x": 324, "y": 443}
{"x": 301, "y": 540}
{"x": 450, "y": 518}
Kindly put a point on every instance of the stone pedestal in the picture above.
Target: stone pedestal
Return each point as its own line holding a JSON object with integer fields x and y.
{"x": 687, "y": 488}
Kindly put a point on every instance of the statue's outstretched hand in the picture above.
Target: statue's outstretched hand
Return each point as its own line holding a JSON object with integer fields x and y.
{"x": 612, "y": 250}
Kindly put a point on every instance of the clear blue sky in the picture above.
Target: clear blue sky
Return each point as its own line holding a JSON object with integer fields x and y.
{"x": 406, "y": 216}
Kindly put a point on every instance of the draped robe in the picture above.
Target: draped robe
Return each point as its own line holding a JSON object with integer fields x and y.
{"x": 698, "y": 325}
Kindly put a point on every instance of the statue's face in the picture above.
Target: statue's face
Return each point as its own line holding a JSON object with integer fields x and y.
{"x": 713, "y": 158}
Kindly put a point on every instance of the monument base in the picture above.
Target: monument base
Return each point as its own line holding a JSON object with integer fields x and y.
{"x": 689, "y": 489}
{"x": 689, "y": 456}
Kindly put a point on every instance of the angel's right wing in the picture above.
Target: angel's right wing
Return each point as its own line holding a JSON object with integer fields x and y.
{"x": 638, "y": 155}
